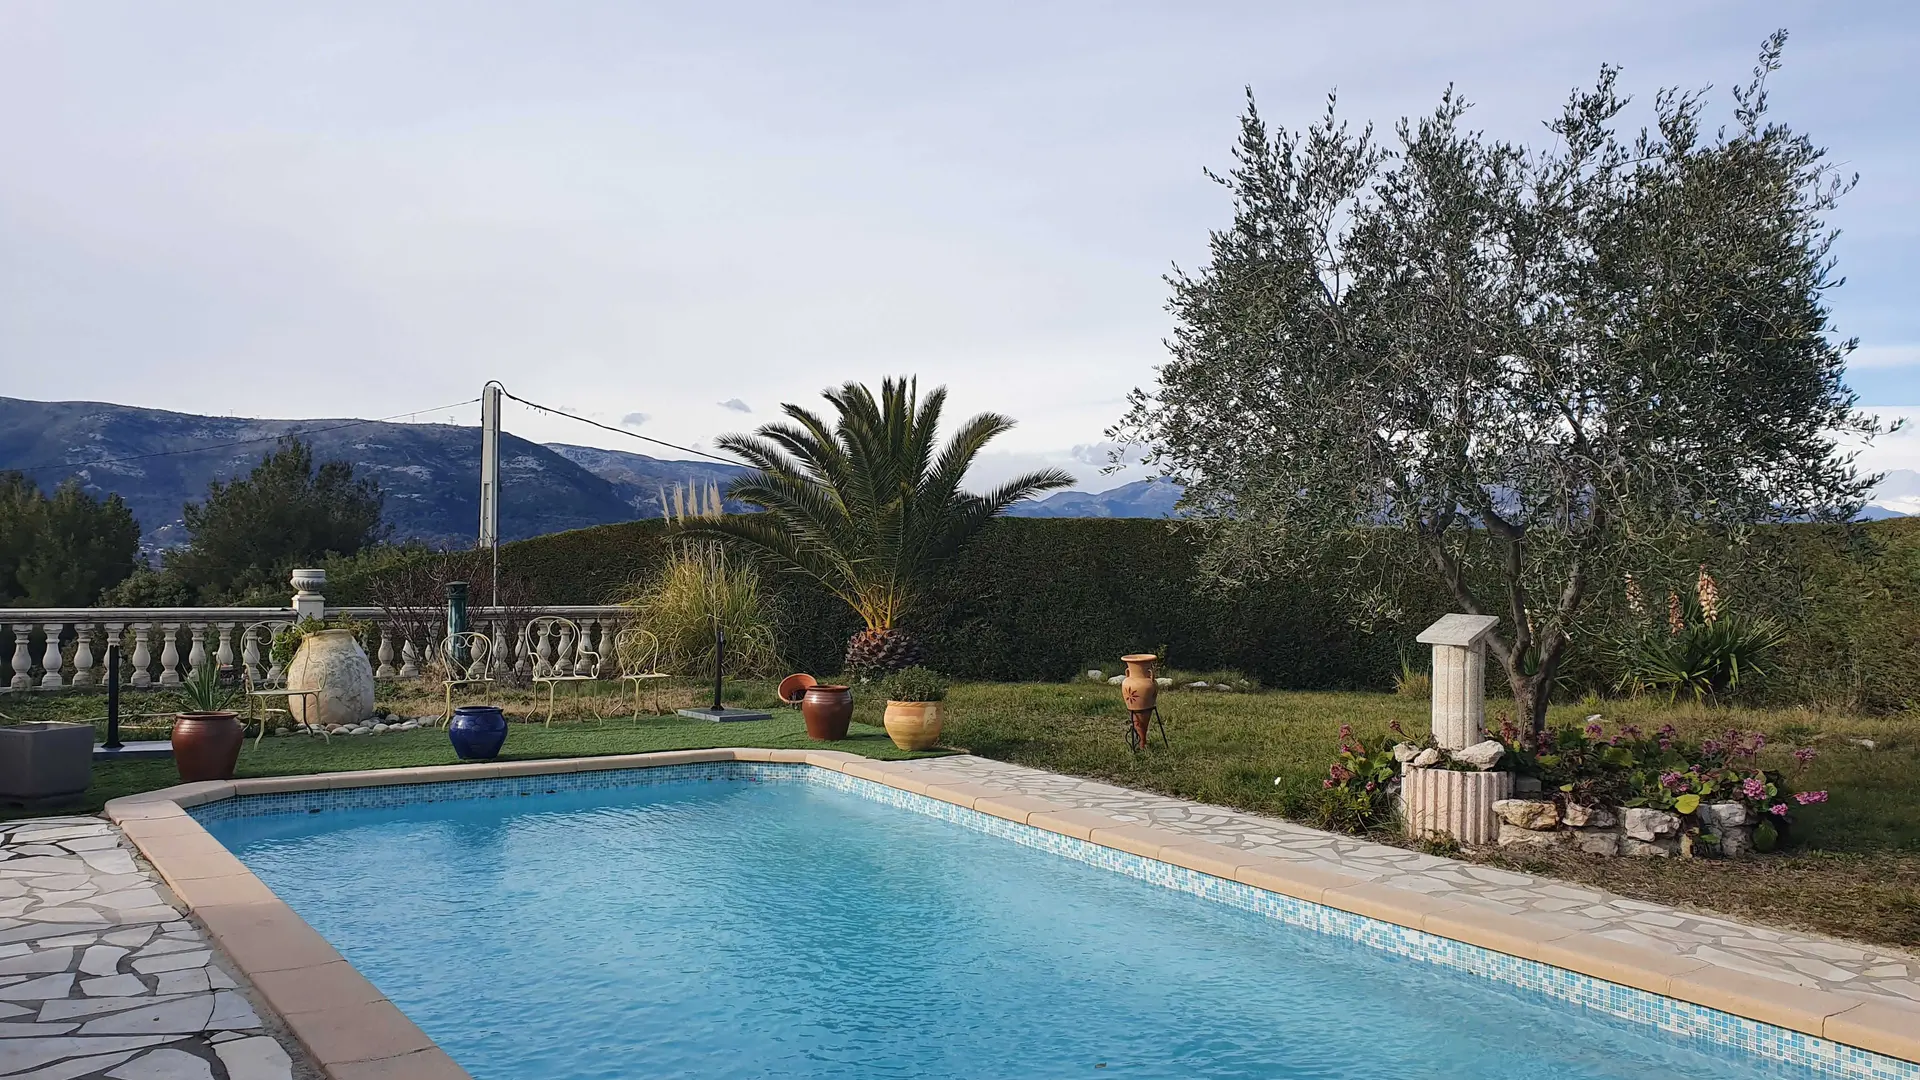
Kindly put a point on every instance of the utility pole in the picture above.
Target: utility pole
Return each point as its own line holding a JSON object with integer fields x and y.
{"x": 490, "y": 478}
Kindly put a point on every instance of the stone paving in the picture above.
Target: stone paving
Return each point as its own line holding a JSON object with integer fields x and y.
{"x": 101, "y": 978}
{"x": 1802, "y": 959}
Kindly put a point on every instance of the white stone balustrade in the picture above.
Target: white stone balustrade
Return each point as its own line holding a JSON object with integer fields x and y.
{"x": 55, "y": 648}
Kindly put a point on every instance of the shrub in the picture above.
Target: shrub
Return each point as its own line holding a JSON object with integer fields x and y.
{"x": 700, "y": 587}
{"x": 1358, "y": 794}
{"x": 914, "y": 684}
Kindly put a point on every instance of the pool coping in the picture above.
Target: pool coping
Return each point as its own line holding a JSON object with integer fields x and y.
{"x": 354, "y": 1033}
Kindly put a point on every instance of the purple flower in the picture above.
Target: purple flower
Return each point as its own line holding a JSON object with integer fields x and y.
{"x": 1668, "y": 731}
{"x": 1666, "y": 744}
{"x": 1396, "y": 728}
{"x": 1593, "y": 731}
{"x": 1672, "y": 781}
{"x": 1753, "y": 787}
{"x": 1710, "y": 747}
{"x": 1804, "y": 754}
{"x": 1630, "y": 731}
{"x": 1807, "y": 797}
{"x": 1778, "y": 809}
{"x": 1369, "y": 785}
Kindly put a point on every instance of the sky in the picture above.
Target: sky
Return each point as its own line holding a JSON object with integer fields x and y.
{"x": 674, "y": 217}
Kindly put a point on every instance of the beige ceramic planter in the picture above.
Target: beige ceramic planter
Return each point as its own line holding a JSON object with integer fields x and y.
{"x": 1445, "y": 802}
{"x": 332, "y": 662}
{"x": 913, "y": 725}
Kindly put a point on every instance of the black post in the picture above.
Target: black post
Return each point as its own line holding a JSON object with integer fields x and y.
{"x": 113, "y": 696}
{"x": 719, "y": 662}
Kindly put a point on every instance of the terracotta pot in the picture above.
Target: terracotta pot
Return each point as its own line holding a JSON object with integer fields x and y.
{"x": 913, "y": 725}
{"x": 794, "y": 687}
{"x": 206, "y": 745}
{"x": 1139, "y": 689}
{"x": 827, "y": 711}
{"x": 332, "y": 662}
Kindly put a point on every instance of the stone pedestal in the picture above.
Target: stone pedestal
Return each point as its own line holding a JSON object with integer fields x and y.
{"x": 1459, "y": 678}
{"x": 1448, "y": 802}
{"x": 308, "y": 602}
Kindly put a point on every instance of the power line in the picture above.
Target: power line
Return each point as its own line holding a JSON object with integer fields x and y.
{"x": 238, "y": 442}
{"x": 622, "y": 431}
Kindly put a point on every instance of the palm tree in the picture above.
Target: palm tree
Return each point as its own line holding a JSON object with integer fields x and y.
{"x": 869, "y": 506}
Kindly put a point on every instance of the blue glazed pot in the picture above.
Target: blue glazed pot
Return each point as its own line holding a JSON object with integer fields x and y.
{"x": 477, "y": 732}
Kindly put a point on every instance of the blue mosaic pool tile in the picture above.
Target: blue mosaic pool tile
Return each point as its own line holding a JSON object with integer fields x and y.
{"x": 1717, "y": 1032}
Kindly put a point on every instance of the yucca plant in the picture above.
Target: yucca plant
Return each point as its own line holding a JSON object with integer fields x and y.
{"x": 869, "y": 505}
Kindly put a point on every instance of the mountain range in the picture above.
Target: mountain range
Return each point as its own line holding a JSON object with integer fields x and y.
{"x": 158, "y": 460}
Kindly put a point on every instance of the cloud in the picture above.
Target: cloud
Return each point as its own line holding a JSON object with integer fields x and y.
{"x": 635, "y": 419}
{"x": 1880, "y": 357}
{"x": 736, "y": 405}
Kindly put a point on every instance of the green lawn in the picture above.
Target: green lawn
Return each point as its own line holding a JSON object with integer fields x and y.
{"x": 588, "y": 725}
{"x": 1854, "y": 870}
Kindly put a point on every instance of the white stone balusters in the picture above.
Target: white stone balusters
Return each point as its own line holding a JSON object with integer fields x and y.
{"x": 409, "y": 658}
{"x": 116, "y": 635}
{"x": 223, "y": 650}
{"x": 545, "y": 658}
{"x": 250, "y": 654}
{"x": 22, "y": 657}
{"x": 385, "y": 670}
{"x": 523, "y": 663}
{"x": 502, "y": 652}
{"x": 142, "y": 658}
{"x": 169, "y": 654}
{"x": 83, "y": 654}
{"x": 564, "y": 655}
{"x": 50, "y": 662}
{"x": 602, "y": 646}
{"x": 196, "y": 647}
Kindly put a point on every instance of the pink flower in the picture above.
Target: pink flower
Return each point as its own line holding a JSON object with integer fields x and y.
{"x": 1806, "y": 797}
{"x": 1326, "y": 783}
{"x": 1710, "y": 747}
{"x": 1804, "y": 754}
{"x": 1753, "y": 787}
{"x": 1630, "y": 731}
{"x": 1778, "y": 809}
{"x": 1672, "y": 781}
{"x": 1369, "y": 785}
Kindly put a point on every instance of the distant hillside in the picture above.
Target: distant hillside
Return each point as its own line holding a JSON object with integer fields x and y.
{"x": 429, "y": 471}
{"x": 1141, "y": 499}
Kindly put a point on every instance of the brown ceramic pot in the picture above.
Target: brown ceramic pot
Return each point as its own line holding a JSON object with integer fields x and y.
{"x": 827, "y": 711}
{"x": 206, "y": 745}
{"x": 913, "y": 725}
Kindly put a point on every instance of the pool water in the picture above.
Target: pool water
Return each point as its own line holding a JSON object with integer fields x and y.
{"x": 731, "y": 929}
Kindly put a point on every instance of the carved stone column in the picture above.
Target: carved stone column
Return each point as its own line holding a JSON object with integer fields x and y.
{"x": 1459, "y": 678}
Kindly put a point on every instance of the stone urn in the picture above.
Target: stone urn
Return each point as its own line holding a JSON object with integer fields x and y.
{"x": 333, "y": 663}
{"x": 913, "y": 725}
{"x": 827, "y": 711}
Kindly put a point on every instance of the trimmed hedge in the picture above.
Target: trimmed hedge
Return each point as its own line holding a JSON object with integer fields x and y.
{"x": 1044, "y": 598}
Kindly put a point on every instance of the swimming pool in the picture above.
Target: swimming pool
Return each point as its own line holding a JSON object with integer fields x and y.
{"x": 696, "y": 922}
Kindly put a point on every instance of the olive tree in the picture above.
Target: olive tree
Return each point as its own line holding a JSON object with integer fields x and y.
{"x": 1523, "y": 372}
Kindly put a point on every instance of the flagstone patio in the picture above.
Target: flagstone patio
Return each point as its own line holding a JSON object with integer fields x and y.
{"x": 101, "y": 978}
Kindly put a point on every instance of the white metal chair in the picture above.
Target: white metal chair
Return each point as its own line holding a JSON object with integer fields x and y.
{"x": 638, "y": 652}
{"x": 269, "y": 684}
{"x": 467, "y": 660}
{"x": 559, "y": 654}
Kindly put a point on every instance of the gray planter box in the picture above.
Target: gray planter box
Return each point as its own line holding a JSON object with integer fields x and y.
{"x": 44, "y": 763}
